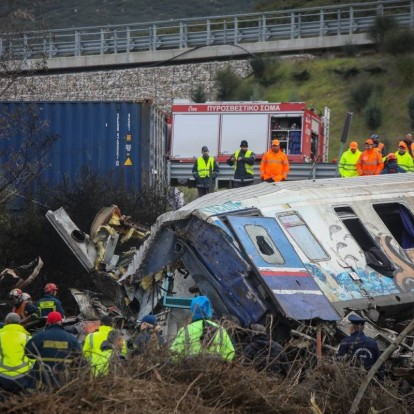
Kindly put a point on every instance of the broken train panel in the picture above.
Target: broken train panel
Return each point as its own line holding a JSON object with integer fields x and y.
{"x": 295, "y": 250}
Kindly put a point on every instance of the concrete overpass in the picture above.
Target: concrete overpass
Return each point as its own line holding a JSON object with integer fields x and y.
{"x": 202, "y": 39}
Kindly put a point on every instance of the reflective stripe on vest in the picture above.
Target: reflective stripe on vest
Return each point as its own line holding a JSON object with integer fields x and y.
{"x": 248, "y": 167}
{"x": 47, "y": 343}
{"x": 9, "y": 371}
{"x": 273, "y": 161}
{"x": 204, "y": 168}
{"x": 47, "y": 304}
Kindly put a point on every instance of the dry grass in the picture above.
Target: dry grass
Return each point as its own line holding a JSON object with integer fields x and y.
{"x": 153, "y": 384}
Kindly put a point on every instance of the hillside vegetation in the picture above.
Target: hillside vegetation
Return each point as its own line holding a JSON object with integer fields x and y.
{"x": 342, "y": 84}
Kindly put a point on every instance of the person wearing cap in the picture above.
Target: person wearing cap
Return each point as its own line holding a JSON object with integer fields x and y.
{"x": 149, "y": 336}
{"x": 274, "y": 165}
{"x": 357, "y": 345}
{"x": 49, "y": 302}
{"x": 404, "y": 158}
{"x": 391, "y": 166}
{"x": 348, "y": 161}
{"x": 242, "y": 161}
{"x": 202, "y": 336}
{"x": 94, "y": 340}
{"x": 378, "y": 146}
{"x": 15, "y": 366}
{"x": 369, "y": 162}
{"x": 110, "y": 356}
{"x": 264, "y": 353}
{"x": 205, "y": 171}
{"x": 54, "y": 349}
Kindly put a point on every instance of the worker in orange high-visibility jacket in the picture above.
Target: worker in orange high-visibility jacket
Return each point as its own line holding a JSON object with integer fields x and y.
{"x": 370, "y": 161}
{"x": 275, "y": 164}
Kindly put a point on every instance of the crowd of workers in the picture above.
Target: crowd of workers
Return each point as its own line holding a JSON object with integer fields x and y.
{"x": 274, "y": 165}
{"x": 29, "y": 363}
{"x": 374, "y": 161}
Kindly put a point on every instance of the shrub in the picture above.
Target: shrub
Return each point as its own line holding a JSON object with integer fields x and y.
{"x": 374, "y": 70}
{"x": 360, "y": 94}
{"x": 382, "y": 25}
{"x": 301, "y": 76}
{"x": 347, "y": 73}
{"x": 405, "y": 68}
{"x": 226, "y": 83}
{"x": 258, "y": 65}
{"x": 265, "y": 69}
{"x": 249, "y": 91}
{"x": 399, "y": 42}
{"x": 199, "y": 94}
{"x": 373, "y": 115}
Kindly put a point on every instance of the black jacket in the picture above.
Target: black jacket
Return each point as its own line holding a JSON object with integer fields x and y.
{"x": 240, "y": 173}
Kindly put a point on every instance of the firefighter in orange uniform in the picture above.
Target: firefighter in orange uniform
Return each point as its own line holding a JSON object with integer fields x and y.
{"x": 274, "y": 165}
{"x": 370, "y": 161}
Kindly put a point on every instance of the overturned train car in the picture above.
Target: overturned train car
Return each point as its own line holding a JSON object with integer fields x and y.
{"x": 303, "y": 251}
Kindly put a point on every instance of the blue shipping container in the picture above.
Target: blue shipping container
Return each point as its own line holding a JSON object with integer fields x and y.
{"x": 127, "y": 139}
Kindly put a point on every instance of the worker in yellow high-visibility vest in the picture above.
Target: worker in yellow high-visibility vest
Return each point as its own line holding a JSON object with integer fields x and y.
{"x": 205, "y": 171}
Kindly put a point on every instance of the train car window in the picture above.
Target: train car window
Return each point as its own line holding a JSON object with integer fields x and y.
{"x": 300, "y": 232}
{"x": 264, "y": 244}
{"x": 400, "y": 222}
{"x": 374, "y": 256}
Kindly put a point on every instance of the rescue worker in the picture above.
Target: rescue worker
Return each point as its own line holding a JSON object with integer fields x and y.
{"x": 242, "y": 161}
{"x": 378, "y": 146}
{"x": 205, "y": 171}
{"x": 202, "y": 335}
{"x": 357, "y": 345}
{"x": 49, "y": 302}
{"x": 22, "y": 306}
{"x": 274, "y": 165}
{"x": 110, "y": 356}
{"x": 404, "y": 158}
{"x": 94, "y": 340}
{"x": 15, "y": 366}
{"x": 410, "y": 144}
{"x": 369, "y": 162}
{"x": 264, "y": 353}
{"x": 348, "y": 161}
{"x": 54, "y": 350}
{"x": 149, "y": 336}
{"x": 391, "y": 165}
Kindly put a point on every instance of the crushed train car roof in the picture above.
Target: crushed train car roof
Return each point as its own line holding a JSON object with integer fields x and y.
{"x": 302, "y": 249}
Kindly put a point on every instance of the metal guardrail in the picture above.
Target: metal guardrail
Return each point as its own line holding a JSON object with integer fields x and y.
{"x": 207, "y": 31}
{"x": 181, "y": 172}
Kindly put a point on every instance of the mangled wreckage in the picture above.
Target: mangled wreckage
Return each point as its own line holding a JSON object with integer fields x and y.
{"x": 298, "y": 256}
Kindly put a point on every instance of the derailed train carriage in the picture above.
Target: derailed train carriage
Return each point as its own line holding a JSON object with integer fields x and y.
{"x": 306, "y": 252}
{"x": 295, "y": 255}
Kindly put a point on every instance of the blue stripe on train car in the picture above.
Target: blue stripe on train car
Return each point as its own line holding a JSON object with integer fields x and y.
{"x": 297, "y": 294}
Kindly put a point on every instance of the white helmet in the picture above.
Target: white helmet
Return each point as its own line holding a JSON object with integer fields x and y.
{"x": 26, "y": 296}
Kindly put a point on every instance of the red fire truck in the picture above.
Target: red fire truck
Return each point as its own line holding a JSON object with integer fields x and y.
{"x": 302, "y": 132}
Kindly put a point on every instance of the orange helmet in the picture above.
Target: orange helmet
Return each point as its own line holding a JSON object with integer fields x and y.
{"x": 391, "y": 156}
{"x": 15, "y": 294}
{"x": 51, "y": 288}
